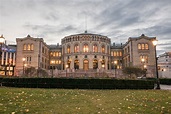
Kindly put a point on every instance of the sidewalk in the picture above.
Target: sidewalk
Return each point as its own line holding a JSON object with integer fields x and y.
{"x": 165, "y": 87}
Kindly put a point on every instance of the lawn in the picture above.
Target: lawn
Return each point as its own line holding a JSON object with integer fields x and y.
{"x": 75, "y": 101}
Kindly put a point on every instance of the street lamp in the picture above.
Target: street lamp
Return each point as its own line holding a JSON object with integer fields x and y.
{"x": 24, "y": 59}
{"x": 66, "y": 66}
{"x": 103, "y": 68}
{"x": 53, "y": 62}
{"x": 157, "y": 76}
{"x": 115, "y": 62}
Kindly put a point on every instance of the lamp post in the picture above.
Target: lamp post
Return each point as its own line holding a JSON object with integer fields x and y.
{"x": 145, "y": 70}
{"x": 66, "y": 69}
{"x": 24, "y": 59}
{"x": 53, "y": 62}
{"x": 115, "y": 66}
{"x": 103, "y": 69}
{"x": 2, "y": 40}
{"x": 157, "y": 76}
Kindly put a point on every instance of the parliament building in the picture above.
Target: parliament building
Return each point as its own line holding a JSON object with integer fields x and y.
{"x": 85, "y": 53}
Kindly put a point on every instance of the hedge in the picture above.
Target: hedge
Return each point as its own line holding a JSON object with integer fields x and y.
{"x": 77, "y": 83}
{"x": 165, "y": 81}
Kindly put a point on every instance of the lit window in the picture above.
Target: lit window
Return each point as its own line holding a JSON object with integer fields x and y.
{"x": 59, "y": 61}
{"x": 52, "y": 62}
{"x": 51, "y": 54}
{"x": 143, "y": 46}
{"x": 95, "y": 48}
{"x": 32, "y": 47}
{"x": 120, "y": 53}
{"x": 28, "y": 47}
{"x": 114, "y": 53}
{"x": 145, "y": 57}
{"x": 68, "y": 49}
{"x": 103, "y": 49}
{"x": 59, "y": 54}
{"x": 117, "y": 53}
{"x": 139, "y": 46}
{"x": 76, "y": 48}
{"x": 146, "y": 46}
{"x": 85, "y": 48}
{"x": 25, "y": 47}
{"x": 111, "y": 53}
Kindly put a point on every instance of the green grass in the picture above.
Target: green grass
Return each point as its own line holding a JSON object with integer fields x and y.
{"x": 68, "y": 101}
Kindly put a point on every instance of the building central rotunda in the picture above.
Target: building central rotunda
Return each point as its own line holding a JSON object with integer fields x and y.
{"x": 86, "y": 51}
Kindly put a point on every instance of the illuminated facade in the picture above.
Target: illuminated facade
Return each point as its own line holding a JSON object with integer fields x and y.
{"x": 86, "y": 53}
{"x": 31, "y": 52}
{"x": 7, "y": 62}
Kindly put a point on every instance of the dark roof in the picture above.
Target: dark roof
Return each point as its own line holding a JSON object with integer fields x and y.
{"x": 86, "y": 33}
{"x": 55, "y": 46}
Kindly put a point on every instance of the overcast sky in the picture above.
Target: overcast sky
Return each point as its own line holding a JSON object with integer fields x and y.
{"x": 117, "y": 19}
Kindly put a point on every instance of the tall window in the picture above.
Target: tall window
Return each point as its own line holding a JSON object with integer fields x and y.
{"x": 25, "y": 47}
{"x": 68, "y": 49}
{"x": 76, "y": 48}
{"x": 85, "y": 48}
{"x": 146, "y": 46}
{"x": 111, "y": 53}
{"x": 32, "y": 47}
{"x": 139, "y": 46}
{"x": 103, "y": 49}
{"x": 59, "y": 54}
{"x": 95, "y": 48}
{"x": 28, "y": 47}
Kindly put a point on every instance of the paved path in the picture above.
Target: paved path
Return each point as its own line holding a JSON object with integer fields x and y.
{"x": 165, "y": 87}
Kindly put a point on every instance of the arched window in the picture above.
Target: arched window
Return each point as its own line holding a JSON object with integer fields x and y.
{"x": 146, "y": 46}
{"x": 85, "y": 48}
{"x": 95, "y": 64}
{"x": 85, "y": 64}
{"x": 76, "y": 48}
{"x": 143, "y": 46}
{"x": 28, "y": 47}
{"x": 59, "y": 54}
{"x": 103, "y": 49}
{"x": 25, "y": 47}
{"x": 95, "y": 48}
{"x": 139, "y": 46}
{"x": 120, "y": 53}
{"x": 111, "y": 53}
{"x": 76, "y": 64}
{"x": 32, "y": 47}
{"x": 68, "y": 49}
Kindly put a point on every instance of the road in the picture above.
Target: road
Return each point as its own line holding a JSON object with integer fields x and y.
{"x": 165, "y": 87}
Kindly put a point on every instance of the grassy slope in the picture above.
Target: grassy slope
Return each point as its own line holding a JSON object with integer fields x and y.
{"x": 50, "y": 101}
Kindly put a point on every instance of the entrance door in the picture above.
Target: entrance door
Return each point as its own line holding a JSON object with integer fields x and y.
{"x": 85, "y": 65}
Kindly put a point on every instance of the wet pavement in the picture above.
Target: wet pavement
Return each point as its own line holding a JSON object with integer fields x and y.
{"x": 165, "y": 87}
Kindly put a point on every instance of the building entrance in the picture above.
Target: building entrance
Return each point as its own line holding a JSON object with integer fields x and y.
{"x": 85, "y": 65}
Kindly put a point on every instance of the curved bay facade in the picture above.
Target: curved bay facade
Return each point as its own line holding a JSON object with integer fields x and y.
{"x": 86, "y": 51}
